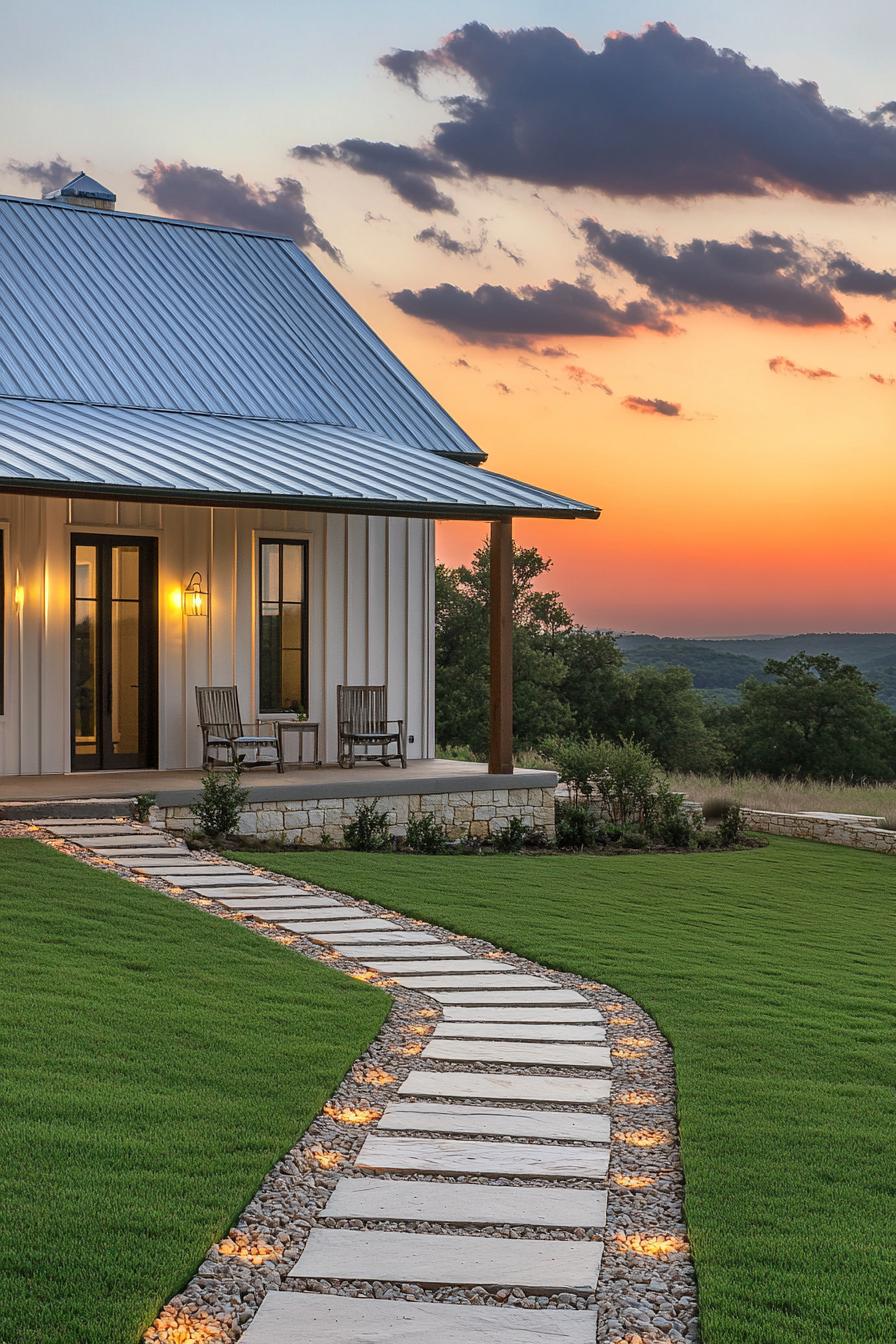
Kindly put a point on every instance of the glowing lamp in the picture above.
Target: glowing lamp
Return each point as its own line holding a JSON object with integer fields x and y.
{"x": 19, "y": 596}
{"x": 195, "y": 596}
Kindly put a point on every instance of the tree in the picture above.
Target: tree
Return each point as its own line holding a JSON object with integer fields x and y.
{"x": 663, "y": 712}
{"x": 816, "y": 718}
{"x": 540, "y": 622}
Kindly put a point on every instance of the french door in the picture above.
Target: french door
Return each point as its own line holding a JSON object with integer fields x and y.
{"x": 114, "y": 652}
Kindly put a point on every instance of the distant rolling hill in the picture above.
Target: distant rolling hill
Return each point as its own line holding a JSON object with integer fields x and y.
{"x": 719, "y": 666}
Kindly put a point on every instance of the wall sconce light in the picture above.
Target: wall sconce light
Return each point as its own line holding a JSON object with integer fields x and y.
{"x": 195, "y": 596}
{"x": 18, "y": 595}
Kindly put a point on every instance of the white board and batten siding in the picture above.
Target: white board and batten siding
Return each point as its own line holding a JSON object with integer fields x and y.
{"x": 370, "y": 617}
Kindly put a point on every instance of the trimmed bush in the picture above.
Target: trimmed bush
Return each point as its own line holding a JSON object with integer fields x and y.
{"x": 511, "y": 838}
{"x": 576, "y": 825}
{"x": 222, "y": 800}
{"x": 426, "y": 835}
{"x": 369, "y": 831}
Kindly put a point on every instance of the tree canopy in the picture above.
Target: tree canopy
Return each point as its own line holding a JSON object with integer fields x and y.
{"x": 810, "y": 715}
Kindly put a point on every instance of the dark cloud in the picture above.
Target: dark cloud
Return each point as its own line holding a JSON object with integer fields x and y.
{"x": 555, "y": 352}
{"x": 652, "y": 406}
{"x": 850, "y": 277}
{"x": 188, "y": 191}
{"x": 45, "y": 176}
{"x": 454, "y": 247}
{"x": 584, "y": 378}
{"x": 371, "y": 218}
{"x": 762, "y": 275}
{"x": 496, "y": 315}
{"x": 883, "y": 381}
{"x": 408, "y": 66}
{"x": 886, "y": 113}
{"x": 461, "y": 363}
{"x": 782, "y": 365}
{"x": 656, "y": 114}
{"x": 411, "y": 173}
{"x": 503, "y": 387}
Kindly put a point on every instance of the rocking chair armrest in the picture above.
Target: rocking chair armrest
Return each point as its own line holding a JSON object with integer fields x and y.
{"x": 219, "y": 730}
{"x": 255, "y": 727}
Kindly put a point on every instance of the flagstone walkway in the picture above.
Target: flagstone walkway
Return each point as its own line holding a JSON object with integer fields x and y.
{"x": 432, "y": 1155}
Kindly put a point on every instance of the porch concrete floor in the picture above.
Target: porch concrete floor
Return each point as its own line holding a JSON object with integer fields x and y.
{"x": 173, "y": 787}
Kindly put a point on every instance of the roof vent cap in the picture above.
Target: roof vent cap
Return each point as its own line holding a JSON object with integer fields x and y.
{"x": 84, "y": 191}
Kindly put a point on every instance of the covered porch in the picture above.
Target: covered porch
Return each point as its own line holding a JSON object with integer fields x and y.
{"x": 472, "y": 800}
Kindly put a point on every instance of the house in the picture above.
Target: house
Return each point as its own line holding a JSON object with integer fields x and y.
{"x": 212, "y": 472}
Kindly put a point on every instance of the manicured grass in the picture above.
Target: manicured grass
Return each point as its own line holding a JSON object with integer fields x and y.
{"x": 156, "y": 1064}
{"x": 771, "y": 971}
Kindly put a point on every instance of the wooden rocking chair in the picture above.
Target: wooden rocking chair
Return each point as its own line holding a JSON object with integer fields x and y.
{"x": 224, "y": 731}
{"x": 361, "y": 712}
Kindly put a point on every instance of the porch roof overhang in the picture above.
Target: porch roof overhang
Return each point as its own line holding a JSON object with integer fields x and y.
{"x": 74, "y": 449}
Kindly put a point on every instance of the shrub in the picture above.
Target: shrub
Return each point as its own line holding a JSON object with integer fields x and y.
{"x": 369, "y": 831}
{"x": 576, "y": 825}
{"x": 732, "y": 826}
{"x": 633, "y": 838}
{"x": 457, "y": 752}
{"x": 426, "y": 835}
{"x": 577, "y": 761}
{"x": 714, "y": 808}
{"x": 221, "y": 802}
{"x": 666, "y": 821}
{"x": 511, "y": 838}
{"x": 627, "y": 782}
{"x": 142, "y": 806}
{"x": 706, "y": 839}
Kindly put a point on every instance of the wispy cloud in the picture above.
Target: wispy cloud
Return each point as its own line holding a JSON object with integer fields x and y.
{"x": 780, "y": 364}
{"x": 45, "y": 176}
{"x": 585, "y": 378}
{"x": 652, "y": 406}
{"x": 411, "y": 173}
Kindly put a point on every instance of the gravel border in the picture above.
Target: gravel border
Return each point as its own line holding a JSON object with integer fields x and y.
{"x": 647, "y": 1290}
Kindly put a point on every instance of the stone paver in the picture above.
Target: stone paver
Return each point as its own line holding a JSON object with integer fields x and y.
{"x": 324, "y": 1318}
{"x": 544, "y": 997}
{"x": 394, "y": 936}
{"x": 467, "y": 1203}
{"x": 174, "y": 868}
{"x": 435, "y": 1259}
{"x": 494, "y": 980}
{"x": 325, "y": 932}
{"x": 520, "y": 1031}
{"x": 432, "y": 1117}
{"x": 470, "y": 1157}
{"x": 130, "y": 840}
{"x": 375, "y": 953}
{"x": 339, "y": 912}
{"x": 521, "y": 1052}
{"x": 505, "y": 1087}
{"x": 284, "y": 893}
{"x": 533, "y": 1014}
{"x": 471, "y": 966}
{"x": 246, "y": 881}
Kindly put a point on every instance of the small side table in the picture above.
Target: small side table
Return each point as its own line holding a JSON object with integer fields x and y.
{"x": 300, "y": 726}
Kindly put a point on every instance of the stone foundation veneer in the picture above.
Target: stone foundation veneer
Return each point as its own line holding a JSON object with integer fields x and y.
{"x": 468, "y": 814}
{"x": 830, "y": 831}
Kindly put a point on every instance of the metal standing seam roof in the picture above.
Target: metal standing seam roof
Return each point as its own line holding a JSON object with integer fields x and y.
{"x": 114, "y": 309}
{"x": 50, "y": 447}
{"x": 142, "y": 357}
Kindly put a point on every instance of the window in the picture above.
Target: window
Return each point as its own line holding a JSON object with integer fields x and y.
{"x": 283, "y": 626}
{"x": 3, "y": 620}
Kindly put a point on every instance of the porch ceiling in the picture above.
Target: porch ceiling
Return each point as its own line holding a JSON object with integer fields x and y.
{"x": 49, "y": 447}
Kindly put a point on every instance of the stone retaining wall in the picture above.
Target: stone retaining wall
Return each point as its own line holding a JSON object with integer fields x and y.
{"x": 829, "y": 832}
{"x": 478, "y": 814}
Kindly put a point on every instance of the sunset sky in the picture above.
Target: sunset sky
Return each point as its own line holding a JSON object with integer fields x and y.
{"x": 534, "y": 204}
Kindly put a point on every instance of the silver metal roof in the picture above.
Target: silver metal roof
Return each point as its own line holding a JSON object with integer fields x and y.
{"x": 125, "y": 310}
{"x": 58, "y": 448}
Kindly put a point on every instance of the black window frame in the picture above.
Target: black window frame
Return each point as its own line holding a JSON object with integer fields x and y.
{"x": 3, "y": 610}
{"x": 281, "y": 542}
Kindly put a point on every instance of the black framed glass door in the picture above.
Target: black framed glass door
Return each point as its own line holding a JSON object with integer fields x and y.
{"x": 114, "y": 652}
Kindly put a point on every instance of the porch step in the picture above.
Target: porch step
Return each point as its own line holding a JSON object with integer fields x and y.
{"x": 66, "y": 809}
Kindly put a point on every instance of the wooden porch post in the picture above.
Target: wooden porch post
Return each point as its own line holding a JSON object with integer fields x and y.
{"x": 500, "y": 754}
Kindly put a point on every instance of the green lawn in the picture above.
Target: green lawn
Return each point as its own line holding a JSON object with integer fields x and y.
{"x": 771, "y": 971}
{"x": 156, "y": 1064}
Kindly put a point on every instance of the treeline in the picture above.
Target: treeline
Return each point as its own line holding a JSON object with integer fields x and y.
{"x": 809, "y": 715}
